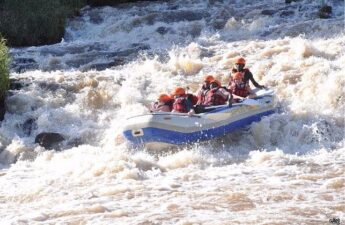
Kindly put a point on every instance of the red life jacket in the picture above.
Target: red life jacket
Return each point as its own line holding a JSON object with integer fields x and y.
{"x": 213, "y": 97}
{"x": 157, "y": 107}
{"x": 239, "y": 87}
{"x": 182, "y": 105}
{"x": 201, "y": 95}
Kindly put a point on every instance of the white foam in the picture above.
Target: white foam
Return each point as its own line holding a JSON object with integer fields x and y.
{"x": 286, "y": 169}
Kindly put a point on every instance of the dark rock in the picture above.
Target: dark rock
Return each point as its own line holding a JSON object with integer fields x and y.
{"x": 17, "y": 84}
{"x": 109, "y": 2}
{"x": 206, "y": 53}
{"x": 51, "y": 51}
{"x": 23, "y": 64}
{"x": 23, "y": 68}
{"x": 49, "y": 140}
{"x": 105, "y": 65}
{"x": 286, "y": 13}
{"x": 81, "y": 59}
{"x": 49, "y": 86}
{"x": 325, "y": 12}
{"x": 212, "y": 2}
{"x": 162, "y": 30}
{"x": 170, "y": 17}
{"x": 194, "y": 30}
{"x": 139, "y": 46}
{"x": 173, "y": 7}
{"x": 95, "y": 17}
{"x": 289, "y": 1}
{"x": 218, "y": 24}
{"x": 147, "y": 19}
{"x": 29, "y": 125}
{"x": 268, "y": 12}
{"x": 128, "y": 52}
{"x": 24, "y": 60}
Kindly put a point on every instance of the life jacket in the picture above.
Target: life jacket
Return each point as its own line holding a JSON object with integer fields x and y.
{"x": 201, "y": 95}
{"x": 239, "y": 87}
{"x": 166, "y": 107}
{"x": 182, "y": 104}
{"x": 215, "y": 97}
{"x": 234, "y": 70}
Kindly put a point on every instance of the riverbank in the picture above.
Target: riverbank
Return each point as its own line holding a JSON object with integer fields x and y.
{"x": 41, "y": 22}
{"x": 4, "y": 76}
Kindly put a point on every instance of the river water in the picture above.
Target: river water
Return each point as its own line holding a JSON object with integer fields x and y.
{"x": 113, "y": 61}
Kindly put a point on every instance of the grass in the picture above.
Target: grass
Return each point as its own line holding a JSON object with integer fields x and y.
{"x": 4, "y": 72}
{"x": 36, "y": 22}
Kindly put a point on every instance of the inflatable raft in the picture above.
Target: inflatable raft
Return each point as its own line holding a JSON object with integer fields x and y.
{"x": 158, "y": 130}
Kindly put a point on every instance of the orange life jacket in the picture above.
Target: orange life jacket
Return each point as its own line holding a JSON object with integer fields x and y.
{"x": 239, "y": 87}
{"x": 213, "y": 97}
{"x": 182, "y": 104}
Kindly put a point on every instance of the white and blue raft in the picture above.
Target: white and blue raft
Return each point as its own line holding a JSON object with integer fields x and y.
{"x": 164, "y": 129}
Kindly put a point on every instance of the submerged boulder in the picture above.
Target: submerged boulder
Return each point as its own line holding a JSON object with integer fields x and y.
{"x": 109, "y": 2}
{"x": 28, "y": 126}
{"x": 325, "y": 12}
{"x": 49, "y": 140}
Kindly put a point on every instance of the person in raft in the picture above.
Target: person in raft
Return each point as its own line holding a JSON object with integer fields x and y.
{"x": 246, "y": 74}
{"x": 182, "y": 102}
{"x": 239, "y": 88}
{"x": 204, "y": 89}
{"x": 164, "y": 103}
{"x": 217, "y": 95}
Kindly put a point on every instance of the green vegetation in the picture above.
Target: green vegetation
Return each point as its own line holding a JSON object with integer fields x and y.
{"x": 4, "y": 73}
{"x": 36, "y": 22}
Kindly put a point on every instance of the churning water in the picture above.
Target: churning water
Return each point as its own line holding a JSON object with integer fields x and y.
{"x": 287, "y": 169}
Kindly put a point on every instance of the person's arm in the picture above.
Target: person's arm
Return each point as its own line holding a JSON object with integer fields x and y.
{"x": 224, "y": 93}
{"x": 249, "y": 76}
{"x": 237, "y": 97}
{"x": 153, "y": 107}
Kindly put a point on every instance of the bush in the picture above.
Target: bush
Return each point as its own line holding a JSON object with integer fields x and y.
{"x": 36, "y": 22}
{"x": 4, "y": 73}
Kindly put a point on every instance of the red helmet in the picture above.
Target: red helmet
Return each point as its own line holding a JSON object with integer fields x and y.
{"x": 241, "y": 61}
{"x": 164, "y": 98}
{"x": 179, "y": 91}
{"x": 208, "y": 78}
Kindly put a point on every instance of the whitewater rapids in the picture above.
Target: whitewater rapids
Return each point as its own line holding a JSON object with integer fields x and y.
{"x": 288, "y": 168}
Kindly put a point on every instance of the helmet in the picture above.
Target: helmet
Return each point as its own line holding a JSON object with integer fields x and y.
{"x": 217, "y": 82}
{"x": 179, "y": 91}
{"x": 238, "y": 76}
{"x": 208, "y": 78}
{"x": 241, "y": 61}
{"x": 164, "y": 98}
